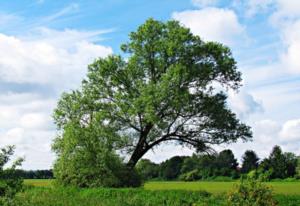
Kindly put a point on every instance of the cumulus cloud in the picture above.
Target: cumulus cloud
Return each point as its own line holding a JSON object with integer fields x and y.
{"x": 291, "y": 131}
{"x": 244, "y": 104}
{"x": 291, "y": 38}
{"x": 48, "y": 60}
{"x": 285, "y": 11}
{"x": 212, "y": 24}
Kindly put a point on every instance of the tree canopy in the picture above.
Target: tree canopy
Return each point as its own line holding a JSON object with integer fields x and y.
{"x": 250, "y": 161}
{"x": 168, "y": 88}
{"x": 279, "y": 164}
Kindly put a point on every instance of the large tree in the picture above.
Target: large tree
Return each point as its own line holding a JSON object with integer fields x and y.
{"x": 166, "y": 87}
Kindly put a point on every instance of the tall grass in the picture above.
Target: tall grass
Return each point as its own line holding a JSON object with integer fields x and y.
{"x": 114, "y": 197}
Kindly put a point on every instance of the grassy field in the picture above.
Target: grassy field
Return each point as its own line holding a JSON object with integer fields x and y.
{"x": 46, "y": 193}
{"x": 285, "y": 188}
{"x": 38, "y": 182}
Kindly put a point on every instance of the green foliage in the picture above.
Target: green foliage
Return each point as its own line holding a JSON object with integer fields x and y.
{"x": 147, "y": 169}
{"x": 113, "y": 197}
{"x": 249, "y": 161}
{"x": 251, "y": 193}
{"x": 85, "y": 160}
{"x": 298, "y": 168}
{"x": 133, "y": 105}
{"x": 190, "y": 176}
{"x": 279, "y": 165}
{"x": 170, "y": 169}
{"x": 171, "y": 196}
{"x": 10, "y": 184}
{"x": 226, "y": 164}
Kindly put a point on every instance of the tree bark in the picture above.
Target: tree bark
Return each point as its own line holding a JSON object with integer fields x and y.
{"x": 141, "y": 147}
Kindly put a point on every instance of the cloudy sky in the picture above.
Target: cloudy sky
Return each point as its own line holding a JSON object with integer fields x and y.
{"x": 45, "y": 47}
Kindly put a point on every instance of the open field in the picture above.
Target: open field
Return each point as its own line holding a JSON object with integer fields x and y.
{"x": 285, "y": 188}
{"x": 45, "y": 193}
{"x": 45, "y": 196}
{"x": 38, "y": 182}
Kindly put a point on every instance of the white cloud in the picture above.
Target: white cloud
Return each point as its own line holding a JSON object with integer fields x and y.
{"x": 212, "y": 24}
{"x": 291, "y": 131}
{"x": 291, "y": 38}
{"x": 255, "y": 6}
{"x": 166, "y": 151}
{"x": 285, "y": 11}
{"x": 50, "y": 58}
{"x": 244, "y": 104}
{"x": 35, "y": 121}
{"x": 203, "y": 3}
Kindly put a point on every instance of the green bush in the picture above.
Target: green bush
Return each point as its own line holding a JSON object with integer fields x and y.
{"x": 84, "y": 160}
{"x": 263, "y": 176}
{"x": 190, "y": 176}
{"x": 10, "y": 184}
{"x": 251, "y": 192}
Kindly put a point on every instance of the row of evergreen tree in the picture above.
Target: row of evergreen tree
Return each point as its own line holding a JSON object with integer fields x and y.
{"x": 223, "y": 166}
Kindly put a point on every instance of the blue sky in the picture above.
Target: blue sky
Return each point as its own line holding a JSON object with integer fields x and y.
{"x": 46, "y": 45}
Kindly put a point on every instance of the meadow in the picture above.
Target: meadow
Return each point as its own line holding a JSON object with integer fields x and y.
{"x": 45, "y": 193}
{"x": 282, "y": 188}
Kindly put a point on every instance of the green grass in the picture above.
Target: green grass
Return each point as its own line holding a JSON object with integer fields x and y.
{"x": 285, "y": 188}
{"x": 45, "y": 193}
{"x": 38, "y": 182}
{"x": 47, "y": 196}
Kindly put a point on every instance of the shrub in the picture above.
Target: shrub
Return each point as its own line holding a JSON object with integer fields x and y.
{"x": 10, "y": 183}
{"x": 190, "y": 176}
{"x": 251, "y": 192}
{"x": 84, "y": 160}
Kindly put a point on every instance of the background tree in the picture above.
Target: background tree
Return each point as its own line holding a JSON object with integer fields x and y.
{"x": 190, "y": 163}
{"x": 279, "y": 164}
{"x": 298, "y": 168}
{"x": 170, "y": 169}
{"x": 226, "y": 164}
{"x": 163, "y": 92}
{"x": 249, "y": 161}
{"x": 291, "y": 164}
{"x": 147, "y": 169}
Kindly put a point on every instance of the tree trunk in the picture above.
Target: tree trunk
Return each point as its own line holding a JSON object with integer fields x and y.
{"x": 136, "y": 156}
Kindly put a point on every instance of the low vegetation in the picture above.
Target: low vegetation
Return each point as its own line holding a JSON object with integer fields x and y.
{"x": 251, "y": 192}
{"x": 10, "y": 183}
{"x": 58, "y": 196}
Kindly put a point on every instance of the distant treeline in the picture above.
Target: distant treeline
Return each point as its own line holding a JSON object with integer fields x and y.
{"x": 223, "y": 166}
{"x": 34, "y": 174}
